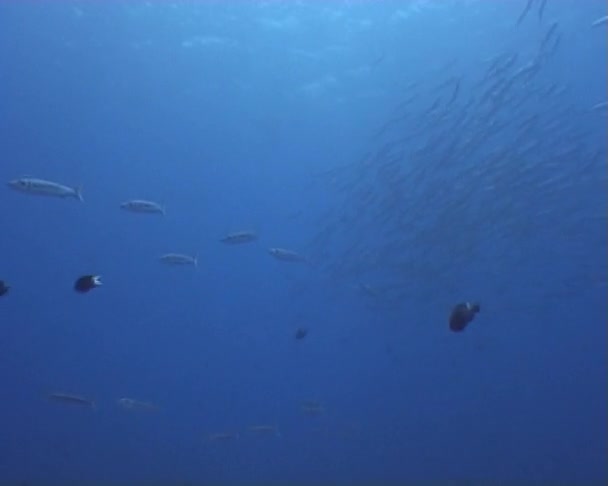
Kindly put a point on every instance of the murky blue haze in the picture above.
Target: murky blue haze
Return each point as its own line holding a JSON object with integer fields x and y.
{"x": 418, "y": 154}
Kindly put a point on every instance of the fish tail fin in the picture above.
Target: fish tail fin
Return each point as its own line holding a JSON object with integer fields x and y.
{"x": 196, "y": 259}
{"x": 78, "y": 193}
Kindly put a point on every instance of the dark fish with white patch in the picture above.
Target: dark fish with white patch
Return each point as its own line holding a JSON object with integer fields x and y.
{"x": 86, "y": 283}
{"x": 462, "y": 314}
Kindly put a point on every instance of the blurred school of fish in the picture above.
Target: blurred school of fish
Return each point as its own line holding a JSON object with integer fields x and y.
{"x": 478, "y": 179}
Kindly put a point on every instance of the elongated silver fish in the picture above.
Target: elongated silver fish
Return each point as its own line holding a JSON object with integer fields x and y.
{"x": 132, "y": 404}
{"x": 41, "y": 187}
{"x": 600, "y": 21}
{"x": 312, "y": 407}
{"x": 265, "y": 430}
{"x": 223, "y": 436}
{"x": 142, "y": 206}
{"x": 286, "y": 255}
{"x": 70, "y": 399}
{"x": 600, "y": 106}
{"x": 239, "y": 237}
{"x": 179, "y": 259}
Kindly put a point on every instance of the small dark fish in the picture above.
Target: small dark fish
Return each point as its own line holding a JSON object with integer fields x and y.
{"x": 525, "y": 12}
{"x": 454, "y": 92}
{"x": 301, "y": 333}
{"x": 239, "y": 237}
{"x": 4, "y": 288}
{"x": 379, "y": 60}
{"x": 71, "y": 399}
{"x": 541, "y": 9}
{"x": 462, "y": 315}
{"x": 86, "y": 283}
{"x": 550, "y": 32}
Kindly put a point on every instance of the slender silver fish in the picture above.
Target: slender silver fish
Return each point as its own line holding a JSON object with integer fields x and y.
{"x": 600, "y": 21}
{"x": 132, "y": 404}
{"x": 70, "y": 399}
{"x": 286, "y": 255}
{"x": 142, "y": 206}
{"x": 41, "y": 187}
{"x": 223, "y": 436}
{"x": 312, "y": 407}
{"x": 179, "y": 259}
{"x": 239, "y": 237}
{"x": 265, "y": 430}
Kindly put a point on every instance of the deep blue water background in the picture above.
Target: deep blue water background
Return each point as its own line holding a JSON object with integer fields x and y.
{"x": 225, "y": 112}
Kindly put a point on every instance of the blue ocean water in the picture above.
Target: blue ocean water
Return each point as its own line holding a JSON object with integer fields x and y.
{"x": 417, "y": 154}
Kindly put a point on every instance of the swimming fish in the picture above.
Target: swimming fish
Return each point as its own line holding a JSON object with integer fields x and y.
{"x": 525, "y": 11}
{"x": 223, "y": 436}
{"x": 132, "y": 404}
{"x": 600, "y": 106}
{"x": 286, "y": 255}
{"x": 179, "y": 259}
{"x": 41, "y": 187}
{"x": 541, "y": 9}
{"x": 142, "y": 206}
{"x": 265, "y": 430}
{"x": 301, "y": 333}
{"x": 71, "y": 399}
{"x": 87, "y": 282}
{"x": 239, "y": 237}
{"x": 462, "y": 314}
{"x": 600, "y": 21}
{"x": 312, "y": 407}
{"x": 368, "y": 290}
{"x": 4, "y": 288}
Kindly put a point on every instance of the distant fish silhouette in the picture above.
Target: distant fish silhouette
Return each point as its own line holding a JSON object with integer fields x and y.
{"x": 4, "y": 288}
{"x": 462, "y": 314}
{"x": 239, "y": 238}
{"x": 70, "y": 399}
{"x": 525, "y": 12}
